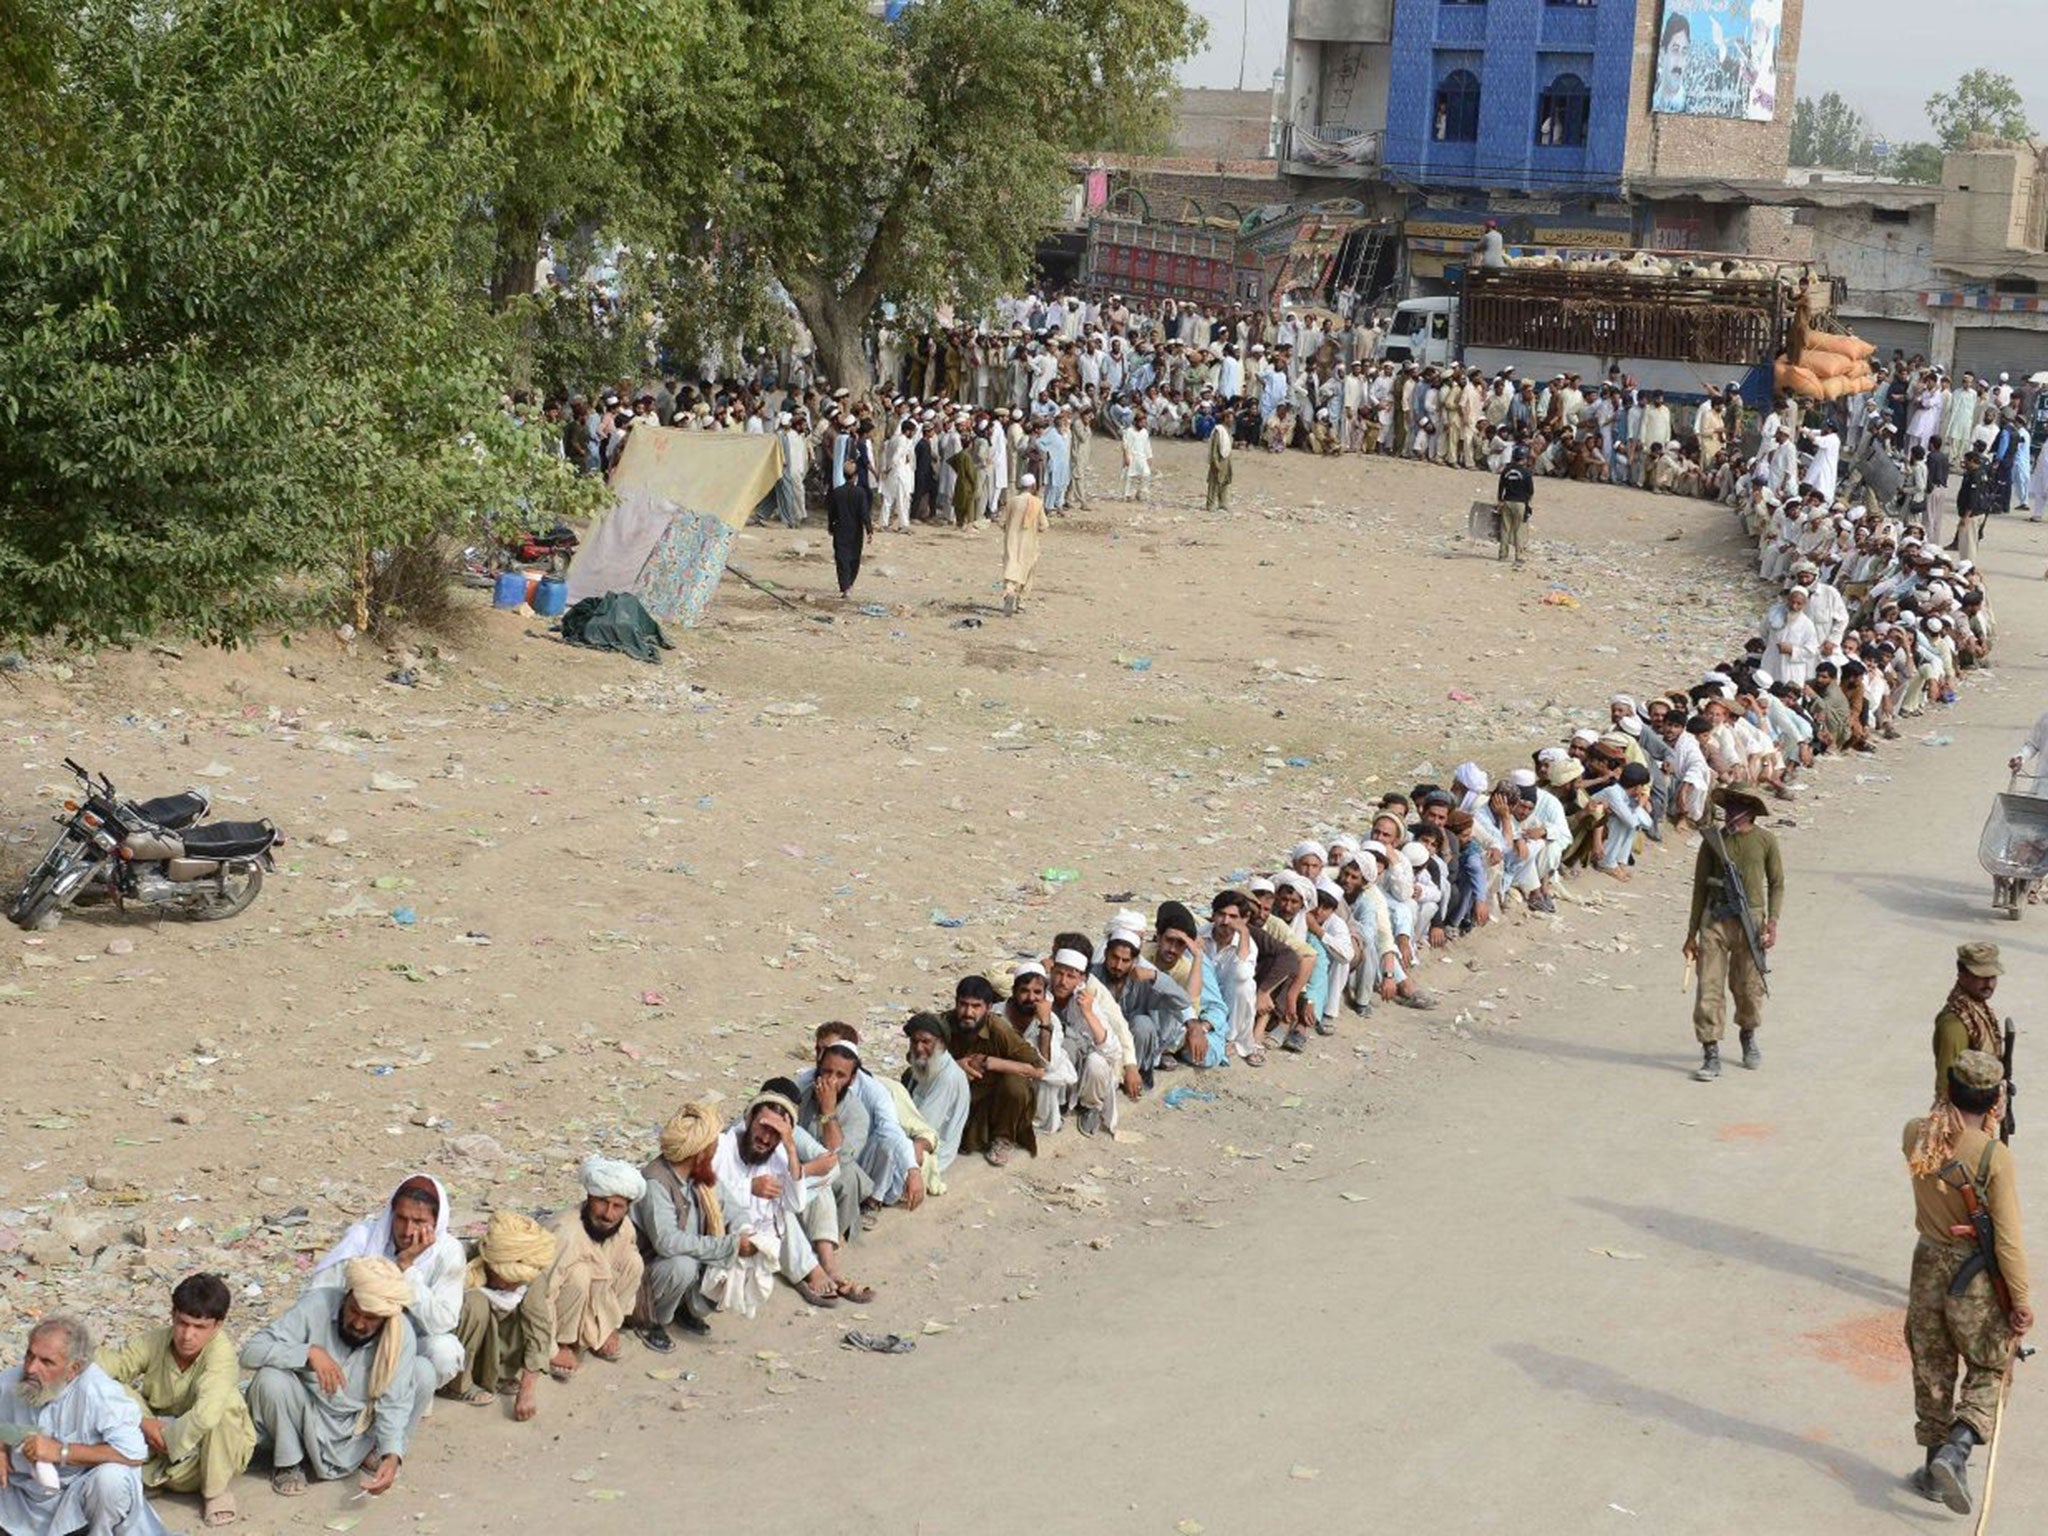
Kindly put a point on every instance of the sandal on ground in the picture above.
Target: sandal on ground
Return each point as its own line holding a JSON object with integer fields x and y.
{"x": 220, "y": 1511}
{"x": 476, "y": 1397}
{"x": 1255, "y": 1057}
{"x": 814, "y": 1297}
{"x": 288, "y": 1482}
{"x": 998, "y": 1156}
{"x": 859, "y": 1295}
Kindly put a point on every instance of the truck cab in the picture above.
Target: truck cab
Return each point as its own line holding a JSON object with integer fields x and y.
{"x": 1422, "y": 332}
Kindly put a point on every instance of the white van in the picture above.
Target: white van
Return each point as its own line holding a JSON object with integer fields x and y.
{"x": 1423, "y": 332}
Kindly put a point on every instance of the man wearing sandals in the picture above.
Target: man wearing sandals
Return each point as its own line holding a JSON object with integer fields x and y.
{"x": 411, "y": 1230}
{"x": 335, "y": 1388}
{"x": 597, "y": 1266}
{"x": 506, "y": 1324}
{"x": 773, "y": 1170}
{"x": 78, "y": 1470}
{"x": 188, "y": 1383}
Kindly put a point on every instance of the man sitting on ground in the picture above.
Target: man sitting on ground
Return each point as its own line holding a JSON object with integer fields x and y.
{"x": 1003, "y": 1074}
{"x": 762, "y": 1164}
{"x": 596, "y": 1276}
{"x": 1090, "y": 1039}
{"x": 886, "y": 1156}
{"x": 336, "y": 1389}
{"x": 412, "y": 1231}
{"x": 1153, "y": 1005}
{"x": 683, "y": 1229}
{"x": 937, "y": 1085}
{"x": 505, "y": 1323}
{"x": 78, "y": 1470}
{"x": 188, "y": 1382}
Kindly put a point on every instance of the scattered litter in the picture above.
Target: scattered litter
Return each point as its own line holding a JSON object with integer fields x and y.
{"x": 654, "y": 999}
{"x": 1176, "y": 1097}
{"x": 1618, "y": 1253}
{"x": 1937, "y": 740}
{"x": 1303, "y": 1474}
{"x": 1059, "y": 876}
{"x": 391, "y": 783}
{"x": 405, "y": 917}
{"x": 941, "y": 920}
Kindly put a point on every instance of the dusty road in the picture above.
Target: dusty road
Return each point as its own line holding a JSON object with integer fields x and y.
{"x": 1500, "y": 1267}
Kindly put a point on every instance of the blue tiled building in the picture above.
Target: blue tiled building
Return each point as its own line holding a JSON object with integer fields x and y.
{"x": 1510, "y": 95}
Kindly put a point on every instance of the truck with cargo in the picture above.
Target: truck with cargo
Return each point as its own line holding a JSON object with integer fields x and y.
{"x": 1673, "y": 323}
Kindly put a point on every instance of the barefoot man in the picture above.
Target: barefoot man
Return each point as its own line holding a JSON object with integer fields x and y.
{"x": 597, "y": 1266}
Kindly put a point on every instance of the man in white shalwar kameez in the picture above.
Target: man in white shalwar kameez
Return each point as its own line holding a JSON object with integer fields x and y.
{"x": 1792, "y": 647}
{"x": 79, "y": 1471}
{"x": 412, "y": 1231}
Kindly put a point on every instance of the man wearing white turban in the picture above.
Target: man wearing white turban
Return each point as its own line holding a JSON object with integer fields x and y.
{"x": 336, "y": 1385}
{"x": 597, "y": 1265}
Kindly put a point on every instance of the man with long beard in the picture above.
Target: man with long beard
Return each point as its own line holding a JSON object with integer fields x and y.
{"x": 79, "y": 1470}
{"x": 762, "y": 1165}
{"x": 938, "y": 1086}
{"x": 597, "y": 1266}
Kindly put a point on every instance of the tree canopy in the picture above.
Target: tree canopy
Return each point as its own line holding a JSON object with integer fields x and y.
{"x": 273, "y": 261}
{"x": 1983, "y": 101}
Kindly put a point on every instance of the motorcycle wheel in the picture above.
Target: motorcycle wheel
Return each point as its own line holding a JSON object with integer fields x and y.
{"x": 50, "y": 890}
{"x": 213, "y": 905}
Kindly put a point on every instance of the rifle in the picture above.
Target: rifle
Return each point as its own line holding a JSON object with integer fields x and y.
{"x": 1738, "y": 898}
{"x": 2008, "y": 1125}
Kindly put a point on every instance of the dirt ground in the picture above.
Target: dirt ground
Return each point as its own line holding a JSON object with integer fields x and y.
{"x": 1503, "y": 1266}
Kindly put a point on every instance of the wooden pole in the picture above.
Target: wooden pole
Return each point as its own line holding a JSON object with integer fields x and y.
{"x": 1991, "y": 1455}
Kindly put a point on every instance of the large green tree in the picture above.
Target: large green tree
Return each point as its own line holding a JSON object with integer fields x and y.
{"x": 1983, "y": 101}
{"x": 915, "y": 161}
{"x": 242, "y": 343}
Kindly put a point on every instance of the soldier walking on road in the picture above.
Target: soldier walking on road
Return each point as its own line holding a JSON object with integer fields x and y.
{"x": 1738, "y": 889}
{"x": 1969, "y": 1299}
{"x": 1966, "y": 1022}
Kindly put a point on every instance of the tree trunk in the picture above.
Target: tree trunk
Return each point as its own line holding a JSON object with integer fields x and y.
{"x": 836, "y": 329}
{"x": 512, "y": 269}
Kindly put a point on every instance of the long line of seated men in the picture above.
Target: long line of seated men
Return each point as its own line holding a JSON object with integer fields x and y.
{"x": 401, "y": 1310}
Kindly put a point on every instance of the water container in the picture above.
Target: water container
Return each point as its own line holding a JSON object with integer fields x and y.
{"x": 532, "y": 586}
{"x": 510, "y": 591}
{"x": 552, "y": 597}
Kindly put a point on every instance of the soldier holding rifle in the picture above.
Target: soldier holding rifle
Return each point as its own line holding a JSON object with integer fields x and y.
{"x": 1738, "y": 889}
{"x": 1970, "y": 1299}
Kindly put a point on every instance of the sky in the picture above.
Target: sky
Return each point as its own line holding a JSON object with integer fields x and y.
{"x": 1860, "y": 48}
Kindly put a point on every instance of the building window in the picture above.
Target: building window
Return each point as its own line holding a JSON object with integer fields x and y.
{"x": 1457, "y": 108}
{"x": 1890, "y": 216}
{"x": 1563, "y": 111}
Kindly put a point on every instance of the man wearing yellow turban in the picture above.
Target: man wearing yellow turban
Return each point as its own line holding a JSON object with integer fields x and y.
{"x": 682, "y": 1223}
{"x": 505, "y": 1321}
{"x": 335, "y": 1382}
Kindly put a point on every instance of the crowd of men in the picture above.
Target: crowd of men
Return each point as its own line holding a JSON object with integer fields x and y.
{"x": 1875, "y": 623}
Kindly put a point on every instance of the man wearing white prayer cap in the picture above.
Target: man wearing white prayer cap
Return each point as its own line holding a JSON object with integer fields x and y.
{"x": 1090, "y": 1037}
{"x": 597, "y": 1270}
{"x": 1308, "y": 859}
{"x": 1155, "y": 1007}
{"x": 1470, "y": 780}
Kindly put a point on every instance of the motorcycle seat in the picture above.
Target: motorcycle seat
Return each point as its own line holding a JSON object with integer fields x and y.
{"x": 179, "y": 810}
{"x": 229, "y": 839}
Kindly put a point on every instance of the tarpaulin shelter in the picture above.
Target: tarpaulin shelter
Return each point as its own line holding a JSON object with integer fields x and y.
{"x": 680, "y": 498}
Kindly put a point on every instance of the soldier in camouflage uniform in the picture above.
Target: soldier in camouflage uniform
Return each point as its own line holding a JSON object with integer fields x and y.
{"x": 1968, "y": 1330}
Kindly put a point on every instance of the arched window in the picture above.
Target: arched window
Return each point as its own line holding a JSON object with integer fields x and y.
{"x": 1563, "y": 111}
{"x": 1457, "y": 108}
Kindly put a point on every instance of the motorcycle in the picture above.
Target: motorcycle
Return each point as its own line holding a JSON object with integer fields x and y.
{"x": 153, "y": 853}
